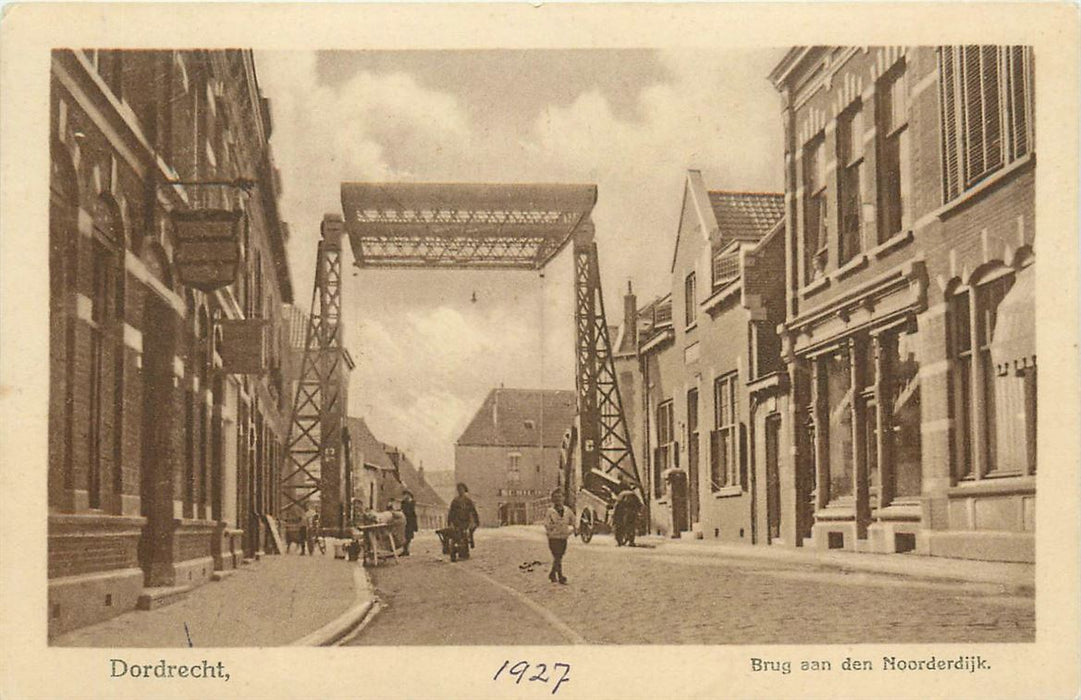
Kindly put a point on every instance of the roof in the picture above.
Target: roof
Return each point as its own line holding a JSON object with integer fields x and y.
{"x": 412, "y": 479}
{"x": 746, "y": 216}
{"x": 366, "y": 445}
{"x": 516, "y": 417}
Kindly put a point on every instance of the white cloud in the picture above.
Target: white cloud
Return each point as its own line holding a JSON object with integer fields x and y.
{"x": 427, "y": 356}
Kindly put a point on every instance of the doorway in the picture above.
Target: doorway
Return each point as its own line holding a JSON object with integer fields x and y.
{"x": 773, "y": 478}
{"x": 155, "y": 479}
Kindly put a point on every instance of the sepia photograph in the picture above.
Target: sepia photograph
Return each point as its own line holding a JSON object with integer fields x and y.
{"x": 675, "y": 347}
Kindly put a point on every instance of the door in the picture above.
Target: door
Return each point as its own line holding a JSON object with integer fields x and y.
{"x": 677, "y": 485}
{"x": 155, "y": 479}
{"x": 692, "y": 454}
{"x": 773, "y": 478}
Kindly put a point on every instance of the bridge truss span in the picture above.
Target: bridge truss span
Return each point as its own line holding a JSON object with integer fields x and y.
{"x": 457, "y": 226}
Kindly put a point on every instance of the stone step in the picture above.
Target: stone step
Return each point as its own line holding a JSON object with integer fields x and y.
{"x": 160, "y": 596}
{"x": 222, "y": 575}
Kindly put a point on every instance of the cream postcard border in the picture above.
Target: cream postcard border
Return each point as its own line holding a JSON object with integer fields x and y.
{"x": 29, "y": 668}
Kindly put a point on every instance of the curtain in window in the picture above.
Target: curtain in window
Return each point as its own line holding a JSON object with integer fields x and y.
{"x": 839, "y": 403}
{"x": 903, "y": 386}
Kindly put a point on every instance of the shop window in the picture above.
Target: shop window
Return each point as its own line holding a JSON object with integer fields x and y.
{"x": 850, "y": 157}
{"x": 893, "y": 158}
{"x": 994, "y": 377}
{"x": 836, "y": 372}
{"x": 869, "y": 387}
{"x": 663, "y": 454}
{"x": 815, "y": 232}
{"x": 724, "y": 440}
{"x": 900, "y": 366}
{"x": 986, "y": 111}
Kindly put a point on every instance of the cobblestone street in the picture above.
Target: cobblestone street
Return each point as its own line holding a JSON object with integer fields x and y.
{"x": 677, "y": 599}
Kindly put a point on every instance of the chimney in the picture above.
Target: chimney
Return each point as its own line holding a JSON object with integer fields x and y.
{"x": 630, "y": 316}
{"x": 420, "y": 472}
{"x": 495, "y": 408}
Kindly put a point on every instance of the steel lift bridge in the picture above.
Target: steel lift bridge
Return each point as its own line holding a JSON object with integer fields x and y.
{"x": 456, "y": 226}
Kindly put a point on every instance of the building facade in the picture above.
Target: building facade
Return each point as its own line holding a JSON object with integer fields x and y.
{"x": 508, "y": 455}
{"x": 165, "y": 409}
{"x": 702, "y": 349}
{"x": 909, "y": 336}
{"x": 431, "y": 509}
{"x": 372, "y": 473}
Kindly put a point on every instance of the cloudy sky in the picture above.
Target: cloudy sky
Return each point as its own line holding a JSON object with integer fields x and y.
{"x": 630, "y": 121}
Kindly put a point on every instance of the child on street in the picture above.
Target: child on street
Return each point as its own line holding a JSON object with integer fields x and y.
{"x": 558, "y": 524}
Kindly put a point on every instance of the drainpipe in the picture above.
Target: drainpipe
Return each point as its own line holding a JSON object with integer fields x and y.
{"x": 647, "y": 496}
{"x": 752, "y": 468}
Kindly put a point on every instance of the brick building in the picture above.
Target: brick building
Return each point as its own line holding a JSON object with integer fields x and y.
{"x": 165, "y": 407}
{"x": 508, "y": 455}
{"x": 909, "y": 337}
{"x": 710, "y": 367}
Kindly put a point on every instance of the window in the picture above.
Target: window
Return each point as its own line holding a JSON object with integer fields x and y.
{"x": 902, "y": 473}
{"x": 663, "y": 454}
{"x": 994, "y": 399}
{"x": 868, "y": 409}
{"x": 835, "y": 371}
{"x": 986, "y": 110}
{"x": 850, "y": 156}
{"x": 725, "y": 267}
{"x": 724, "y": 440}
{"x": 815, "y": 235}
{"x": 106, "y": 358}
{"x": 514, "y": 474}
{"x": 690, "y": 302}
{"x": 893, "y": 166}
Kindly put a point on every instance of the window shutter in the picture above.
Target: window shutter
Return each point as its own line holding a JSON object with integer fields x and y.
{"x": 951, "y": 176}
{"x": 1018, "y": 91}
{"x": 973, "y": 113}
{"x": 992, "y": 106}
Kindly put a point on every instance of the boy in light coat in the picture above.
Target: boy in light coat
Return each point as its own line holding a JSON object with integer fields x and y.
{"x": 558, "y": 525}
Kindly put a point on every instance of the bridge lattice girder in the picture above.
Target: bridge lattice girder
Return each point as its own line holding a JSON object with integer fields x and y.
{"x": 410, "y": 225}
{"x": 312, "y": 471}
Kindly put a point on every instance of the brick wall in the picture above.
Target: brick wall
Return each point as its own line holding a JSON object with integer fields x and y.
{"x": 88, "y": 544}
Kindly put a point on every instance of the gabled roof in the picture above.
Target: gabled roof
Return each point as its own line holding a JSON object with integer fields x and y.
{"x": 516, "y": 417}
{"x": 412, "y": 479}
{"x": 366, "y": 445}
{"x": 745, "y": 216}
{"x": 694, "y": 193}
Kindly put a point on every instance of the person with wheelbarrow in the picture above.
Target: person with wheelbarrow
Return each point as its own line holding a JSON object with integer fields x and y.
{"x": 462, "y": 520}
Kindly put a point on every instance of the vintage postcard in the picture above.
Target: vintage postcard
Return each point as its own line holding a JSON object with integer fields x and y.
{"x": 499, "y": 350}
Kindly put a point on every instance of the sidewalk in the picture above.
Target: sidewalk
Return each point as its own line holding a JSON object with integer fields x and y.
{"x": 1014, "y": 578}
{"x": 276, "y": 601}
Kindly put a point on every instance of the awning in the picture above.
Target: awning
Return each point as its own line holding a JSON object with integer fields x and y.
{"x": 1014, "y": 343}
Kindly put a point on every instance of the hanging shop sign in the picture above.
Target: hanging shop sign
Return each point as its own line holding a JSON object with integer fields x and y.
{"x": 243, "y": 346}
{"x": 207, "y": 251}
